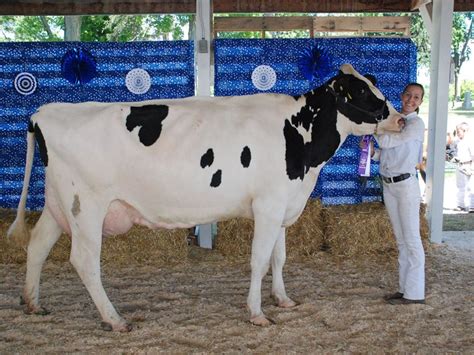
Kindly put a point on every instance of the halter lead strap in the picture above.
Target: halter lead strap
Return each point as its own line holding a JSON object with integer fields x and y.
{"x": 377, "y": 115}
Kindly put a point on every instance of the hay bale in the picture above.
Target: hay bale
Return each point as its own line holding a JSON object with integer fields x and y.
{"x": 350, "y": 231}
{"x": 10, "y": 253}
{"x": 140, "y": 245}
{"x": 234, "y": 238}
{"x": 143, "y": 246}
{"x": 304, "y": 238}
{"x": 363, "y": 230}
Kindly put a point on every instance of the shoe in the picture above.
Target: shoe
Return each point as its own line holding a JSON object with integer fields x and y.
{"x": 393, "y": 296}
{"x": 401, "y": 301}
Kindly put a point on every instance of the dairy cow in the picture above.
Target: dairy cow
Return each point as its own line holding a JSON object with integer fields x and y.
{"x": 179, "y": 163}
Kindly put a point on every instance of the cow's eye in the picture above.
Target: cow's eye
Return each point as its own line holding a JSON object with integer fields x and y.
{"x": 359, "y": 92}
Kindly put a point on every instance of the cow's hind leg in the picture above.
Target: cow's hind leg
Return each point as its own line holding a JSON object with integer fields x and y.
{"x": 43, "y": 236}
{"x": 268, "y": 219}
{"x": 85, "y": 257}
{"x": 278, "y": 261}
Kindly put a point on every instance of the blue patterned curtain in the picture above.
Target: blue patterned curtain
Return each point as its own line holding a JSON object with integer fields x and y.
{"x": 244, "y": 66}
{"x": 33, "y": 74}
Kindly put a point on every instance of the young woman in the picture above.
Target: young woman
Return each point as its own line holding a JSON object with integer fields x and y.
{"x": 399, "y": 153}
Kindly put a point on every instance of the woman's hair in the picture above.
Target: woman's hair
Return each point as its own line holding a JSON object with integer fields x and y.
{"x": 417, "y": 85}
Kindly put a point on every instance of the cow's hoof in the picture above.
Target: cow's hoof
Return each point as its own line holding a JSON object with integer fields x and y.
{"x": 39, "y": 311}
{"x": 123, "y": 327}
{"x": 287, "y": 303}
{"x": 262, "y": 321}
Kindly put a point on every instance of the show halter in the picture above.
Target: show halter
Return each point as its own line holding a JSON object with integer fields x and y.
{"x": 377, "y": 115}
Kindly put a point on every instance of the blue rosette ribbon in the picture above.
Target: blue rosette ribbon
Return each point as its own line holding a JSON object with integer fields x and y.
{"x": 78, "y": 66}
{"x": 315, "y": 63}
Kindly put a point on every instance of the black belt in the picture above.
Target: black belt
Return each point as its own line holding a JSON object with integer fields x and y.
{"x": 398, "y": 178}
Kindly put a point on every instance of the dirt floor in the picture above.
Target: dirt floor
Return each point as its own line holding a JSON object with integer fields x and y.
{"x": 199, "y": 307}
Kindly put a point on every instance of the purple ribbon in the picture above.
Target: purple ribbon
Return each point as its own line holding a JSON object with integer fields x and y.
{"x": 364, "y": 160}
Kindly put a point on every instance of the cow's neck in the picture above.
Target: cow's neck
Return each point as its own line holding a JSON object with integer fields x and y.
{"x": 318, "y": 116}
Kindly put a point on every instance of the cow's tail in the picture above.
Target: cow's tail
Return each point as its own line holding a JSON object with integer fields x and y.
{"x": 18, "y": 231}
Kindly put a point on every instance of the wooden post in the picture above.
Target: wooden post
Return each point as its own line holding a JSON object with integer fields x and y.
{"x": 438, "y": 113}
{"x": 202, "y": 44}
{"x": 203, "y": 49}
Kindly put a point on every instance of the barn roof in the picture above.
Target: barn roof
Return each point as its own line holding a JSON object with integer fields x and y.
{"x": 84, "y": 7}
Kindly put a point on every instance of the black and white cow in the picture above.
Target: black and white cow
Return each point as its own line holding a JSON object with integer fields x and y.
{"x": 180, "y": 163}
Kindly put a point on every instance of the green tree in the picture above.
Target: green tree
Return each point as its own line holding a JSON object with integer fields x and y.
{"x": 121, "y": 28}
{"x": 460, "y": 51}
{"x": 420, "y": 36}
{"x": 31, "y": 28}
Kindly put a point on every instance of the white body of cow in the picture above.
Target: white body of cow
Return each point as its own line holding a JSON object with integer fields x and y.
{"x": 179, "y": 163}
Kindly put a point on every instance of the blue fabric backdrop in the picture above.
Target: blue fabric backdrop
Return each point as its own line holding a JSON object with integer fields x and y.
{"x": 391, "y": 60}
{"x": 170, "y": 66}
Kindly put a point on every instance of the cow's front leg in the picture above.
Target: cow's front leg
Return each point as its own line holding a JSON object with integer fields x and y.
{"x": 85, "y": 256}
{"x": 268, "y": 220}
{"x": 278, "y": 261}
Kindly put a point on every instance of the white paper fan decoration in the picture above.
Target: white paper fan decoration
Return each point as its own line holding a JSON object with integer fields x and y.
{"x": 25, "y": 83}
{"x": 138, "y": 81}
{"x": 264, "y": 77}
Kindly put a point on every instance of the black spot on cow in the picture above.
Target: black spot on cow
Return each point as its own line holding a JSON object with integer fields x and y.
{"x": 295, "y": 162}
{"x": 304, "y": 117}
{"x": 325, "y": 138}
{"x": 344, "y": 93}
{"x": 207, "y": 158}
{"x": 245, "y": 157}
{"x": 149, "y": 118}
{"x": 216, "y": 178}
{"x": 41, "y": 145}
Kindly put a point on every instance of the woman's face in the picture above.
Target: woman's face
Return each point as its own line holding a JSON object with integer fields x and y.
{"x": 411, "y": 99}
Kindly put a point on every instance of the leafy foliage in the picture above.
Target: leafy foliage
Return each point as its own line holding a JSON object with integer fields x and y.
{"x": 422, "y": 40}
{"x": 100, "y": 28}
{"x": 31, "y": 28}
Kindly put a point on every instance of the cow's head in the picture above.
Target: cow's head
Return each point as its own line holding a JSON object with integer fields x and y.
{"x": 347, "y": 104}
{"x": 363, "y": 107}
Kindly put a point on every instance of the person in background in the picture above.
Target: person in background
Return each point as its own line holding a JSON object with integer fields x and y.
{"x": 463, "y": 155}
{"x": 399, "y": 154}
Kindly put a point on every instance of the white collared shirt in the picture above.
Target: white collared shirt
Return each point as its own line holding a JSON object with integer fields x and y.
{"x": 464, "y": 148}
{"x": 400, "y": 152}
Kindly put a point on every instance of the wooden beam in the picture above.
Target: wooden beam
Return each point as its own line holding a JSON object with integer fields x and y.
{"x": 244, "y": 24}
{"x": 92, "y": 7}
{"x": 363, "y": 24}
{"x": 249, "y": 6}
{"x": 398, "y": 24}
{"x": 426, "y": 12}
{"x": 416, "y": 4}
